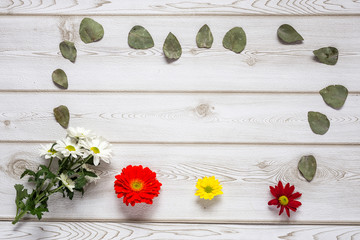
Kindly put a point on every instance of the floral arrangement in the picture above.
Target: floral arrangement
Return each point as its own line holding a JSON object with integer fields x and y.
{"x": 285, "y": 198}
{"x": 208, "y": 188}
{"x": 74, "y": 154}
{"x": 137, "y": 184}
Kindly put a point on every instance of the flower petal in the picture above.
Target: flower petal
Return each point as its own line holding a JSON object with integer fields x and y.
{"x": 287, "y": 211}
{"x": 273, "y": 202}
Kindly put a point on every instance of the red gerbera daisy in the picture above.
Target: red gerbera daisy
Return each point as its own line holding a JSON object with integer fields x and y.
{"x": 285, "y": 198}
{"x": 137, "y": 184}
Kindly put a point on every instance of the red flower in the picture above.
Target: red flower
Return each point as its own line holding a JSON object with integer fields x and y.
{"x": 137, "y": 184}
{"x": 285, "y": 198}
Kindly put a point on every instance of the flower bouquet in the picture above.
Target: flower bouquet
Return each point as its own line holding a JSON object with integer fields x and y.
{"x": 74, "y": 155}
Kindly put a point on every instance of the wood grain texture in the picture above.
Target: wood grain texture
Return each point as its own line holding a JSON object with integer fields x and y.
{"x": 266, "y": 65}
{"x": 174, "y": 7}
{"x": 179, "y": 117}
{"x": 158, "y": 231}
{"x": 246, "y": 172}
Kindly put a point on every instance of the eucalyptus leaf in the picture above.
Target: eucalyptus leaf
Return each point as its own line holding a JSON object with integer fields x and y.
{"x": 90, "y": 31}
{"x": 59, "y": 78}
{"x": 327, "y": 55}
{"x": 288, "y": 34}
{"x": 172, "y": 47}
{"x": 235, "y": 40}
{"x": 204, "y": 38}
{"x": 334, "y": 95}
{"x": 307, "y": 167}
{"x": 318, "y": 122}
{"x": 62, "y": 115}
{"x": 68, "y": 50}
{"x": 140, "y": 38}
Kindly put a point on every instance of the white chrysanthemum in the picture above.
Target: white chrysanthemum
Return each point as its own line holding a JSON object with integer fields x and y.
{"x": 88, "y": 178}
{"x": 70, "y": 184}
{"x": 68, "y": 147}
{"x": 99, "y": 148}
{"x": 47, "y": 152}
{"x": 80, "y": 133}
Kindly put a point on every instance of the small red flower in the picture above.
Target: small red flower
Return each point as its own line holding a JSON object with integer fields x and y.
{"x": 137, "y": 184}
{"x": 285, "y": 198}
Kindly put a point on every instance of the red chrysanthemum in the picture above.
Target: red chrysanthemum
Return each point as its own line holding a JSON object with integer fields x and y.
{"x": 285, "y": 198}
{"x": 137, "y": 184}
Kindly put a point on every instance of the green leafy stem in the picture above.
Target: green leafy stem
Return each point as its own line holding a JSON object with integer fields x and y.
{"x": 47, "y": 183}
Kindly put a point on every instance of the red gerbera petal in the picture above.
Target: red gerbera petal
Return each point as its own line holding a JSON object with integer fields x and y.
{"x": 285, "y": 198}
{"x": 137, "y": 184}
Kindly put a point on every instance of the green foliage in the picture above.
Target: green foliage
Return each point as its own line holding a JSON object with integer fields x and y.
{"x": 62, "y": 115}
{"x": 90, "y": 31}
{"x": 288, "y": 34}
{"x": 59, "y": 77}
{"x": 68, "y": 50}
{"x": 235, "y": 40}
{"x": 172, "y": 48}
{"x": 140, "y": 38}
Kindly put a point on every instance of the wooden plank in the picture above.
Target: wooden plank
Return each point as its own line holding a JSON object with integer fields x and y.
{"x": 101, "y": 230}
{"x": 266, "y": 65}
{"x": 179, "y": 117}
{"x": 175, "y": 7}
{"x": 246, "y": 172}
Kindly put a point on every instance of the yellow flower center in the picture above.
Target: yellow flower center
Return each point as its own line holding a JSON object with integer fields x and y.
{"x": 137, "y": 185}
{"x": 208, "y": 189}
{"x": 70, "y": 148}
{"x": 283, "y": 200}
{"x": 52, "y": 151}
{"x": 95, "y": 150}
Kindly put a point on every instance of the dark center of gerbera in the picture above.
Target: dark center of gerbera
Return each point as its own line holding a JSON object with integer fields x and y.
{"x": 137, "y": 185}
{"x": 283, "y": 200}
{"x": 208, "y": 189}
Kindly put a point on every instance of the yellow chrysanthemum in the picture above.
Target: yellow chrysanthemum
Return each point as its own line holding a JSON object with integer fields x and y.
{"x": 208, "y": 188}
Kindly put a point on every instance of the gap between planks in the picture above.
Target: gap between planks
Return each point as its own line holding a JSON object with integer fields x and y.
{"x": 176, "y": 15}
{"x": 164, "y": 92}
{"x": 259, "y": 223}
{"x": 203, "y": 143}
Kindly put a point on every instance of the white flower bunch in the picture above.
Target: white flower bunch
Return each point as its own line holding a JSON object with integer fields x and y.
{"x": 75, "y": 154}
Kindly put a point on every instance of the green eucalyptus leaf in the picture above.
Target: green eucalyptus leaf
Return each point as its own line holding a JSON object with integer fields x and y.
{"x": 327, "y": 55}
{"x": 307, "y": 167}
{"x": 318, "y": 122}
{"x": 172, "y": 47}
{"x": 334, "y": 95}
{"x": 235, "y": 40}
{"x": 90, "y": 31}
{"x": 140, "y": 38}
{"x": 204, "y": 38}
{"x": 68, "y": 50}
{"x": 288, "y": 34}
{"x": 59, "y": 78}
{"x": 62, "y": 115}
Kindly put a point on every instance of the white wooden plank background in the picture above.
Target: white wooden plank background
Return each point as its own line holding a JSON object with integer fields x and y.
{"x": 158, "y": 231}
{"x": 240, "y": 117}
{"x": 173, "y": 7}
{"x": 246, "y": 172}
{"x": 266, "y": 65}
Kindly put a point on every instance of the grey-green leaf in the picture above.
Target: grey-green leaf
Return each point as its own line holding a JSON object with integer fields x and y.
{"x": 288, "y": 34}
{"x": 307, "y": 167}
{"x": 140, "y": 38}
{"x": 327, "y": 55}
{"x": 68, "y": 50}
{"x": 62, "y": 115}
{"x": 59, "y": 78}
{"x": 334, "y": 95}
{"x": 90, "y": 31}
{"x": 235, "y": 40}
{"x": 172, "y": 48}
{"x": 318, "y": 122}
{"x": 204, "y": 38}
